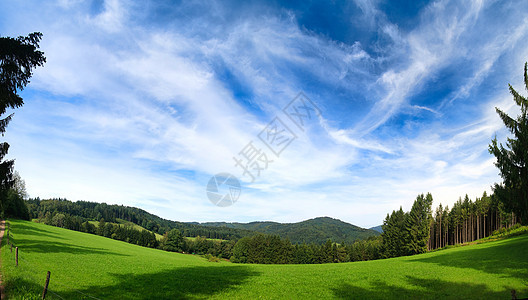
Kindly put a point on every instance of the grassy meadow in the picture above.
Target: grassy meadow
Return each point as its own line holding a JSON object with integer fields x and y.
{"x": 82, "y": 264}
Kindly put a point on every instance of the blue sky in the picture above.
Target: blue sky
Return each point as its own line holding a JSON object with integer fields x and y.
{"x": 141, "y": 102}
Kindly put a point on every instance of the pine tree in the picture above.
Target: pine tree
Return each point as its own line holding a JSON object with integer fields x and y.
{"x": 394, "y": 234}
{"x": 512, "y": 159}
{"x": 173, "y": 241}
{"x": 18, "y": 58}
{"x": 418, "y": 224}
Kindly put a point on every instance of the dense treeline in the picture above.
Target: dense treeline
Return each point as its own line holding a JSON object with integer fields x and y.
{"x": 92, "y": 211}
{"x": 175, "y": 242}
{"x": 408, "y": 233}
{"x": 12, "y": 203}
{"x": 271, "y": 249}
{"x": 403, "y": 234}
{"x": 313, "y": 231}
{"x": 468, "y": 221}
{"x": 419, "y": 230}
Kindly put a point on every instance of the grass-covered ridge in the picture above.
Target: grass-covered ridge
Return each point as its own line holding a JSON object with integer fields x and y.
{"x": 109, "y": 269}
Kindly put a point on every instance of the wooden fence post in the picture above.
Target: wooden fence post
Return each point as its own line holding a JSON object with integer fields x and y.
{"x": 46, "y": 285}
{"x": 16, "y": 256}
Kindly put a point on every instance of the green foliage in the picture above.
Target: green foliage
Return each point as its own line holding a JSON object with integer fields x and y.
{"x": 14, "y": 206}
{"x": 211, "y": 258}
{"x": 417, "y": 225}
{"x": 512, "y": 159}
{"x": 271, "y": 249}
{"x": 316, "y": 231}
{"x": 241, "y": 251}
{"x": 92, "y": 211}
{"x": 202, "y": 245}
{"x": 110, "y": 269}
{"x": 369, "y": 249}
{"x": 173, "y": 241}
{"x": 18, "y": 57}
{"x": 394, "y": 234}
{"x": 262, "y": 249}
{"x": 502, "y": 232}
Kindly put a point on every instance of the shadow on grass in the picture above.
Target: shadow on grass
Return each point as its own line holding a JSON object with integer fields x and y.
{"x": 22, "y": 289}
{"x": 423, "y": 289}
{"x": 21, "y": 228}
{"x": 180, "y": 283}
{"x": 30, "y": 246}
{"x": 508, "y": 257}
{"x": 49, "y": 246}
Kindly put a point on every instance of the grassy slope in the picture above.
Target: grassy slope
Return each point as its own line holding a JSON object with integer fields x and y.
{"x": 107, "y": 269}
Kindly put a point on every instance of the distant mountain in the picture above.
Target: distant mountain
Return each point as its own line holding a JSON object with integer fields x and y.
{"x": 377, "y": 228}
{"x": 316, "y": 230}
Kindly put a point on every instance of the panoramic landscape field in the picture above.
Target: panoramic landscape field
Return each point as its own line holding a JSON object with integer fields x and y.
{"x": 227, "y": 149}
{"x": 84, "y": 266}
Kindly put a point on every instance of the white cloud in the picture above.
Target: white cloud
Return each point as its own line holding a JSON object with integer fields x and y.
{"x": 141, "y": 115}
{"x": 111, "y": 18}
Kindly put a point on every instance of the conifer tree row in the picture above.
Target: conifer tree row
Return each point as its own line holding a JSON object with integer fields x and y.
{"x": 469, "y": 220}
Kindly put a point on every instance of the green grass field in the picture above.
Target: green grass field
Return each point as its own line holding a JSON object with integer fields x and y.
{"x": 103, "y": 268}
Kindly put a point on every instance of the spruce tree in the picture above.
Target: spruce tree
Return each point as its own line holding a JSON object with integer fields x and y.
{"x": 18, "y": 57}
{"x": 394, "y": 234}
{"x": 512, "y": 158}
{"x": 418, "y": 224}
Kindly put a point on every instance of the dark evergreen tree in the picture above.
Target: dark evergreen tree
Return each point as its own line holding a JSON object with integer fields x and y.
{"x": 173, "y": 241}
{"x": 241, "y": 250}
{"x": 15, "y": 206}
{"x": 18, "y": 57}
{"x": 394, "y": 234}
{"x": 418, "y": 224}
{"x": 512, "y": 159}
{"x": 101, "y": 227}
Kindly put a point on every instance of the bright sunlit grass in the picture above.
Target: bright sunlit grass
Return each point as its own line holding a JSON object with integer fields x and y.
{"x": 108, "y": 269}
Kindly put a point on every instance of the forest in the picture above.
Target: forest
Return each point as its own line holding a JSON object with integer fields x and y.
{"x": 404, "y": 233}
{"x": 78, "y": 212}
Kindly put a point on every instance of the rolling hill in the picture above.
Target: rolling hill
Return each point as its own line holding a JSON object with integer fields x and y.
{"x": 316, "y": 230}
{"x": 84, "y": 266}
{"x": 377, "y": 228}
{"x": 92, "y": 211}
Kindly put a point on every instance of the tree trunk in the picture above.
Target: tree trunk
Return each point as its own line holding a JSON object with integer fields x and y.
{"x": 478, "y": 227}
{"x": 484, "y": 225}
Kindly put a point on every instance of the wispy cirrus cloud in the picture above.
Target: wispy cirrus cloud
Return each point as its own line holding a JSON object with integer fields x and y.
{"x": 140, "y": 104}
